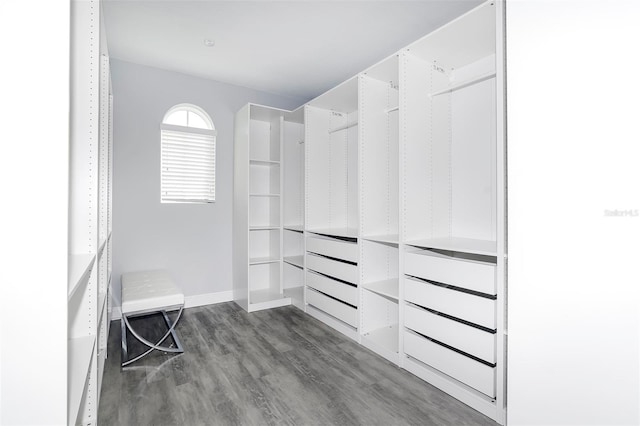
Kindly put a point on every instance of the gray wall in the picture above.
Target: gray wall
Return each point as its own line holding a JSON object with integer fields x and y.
{"x": 192, "y": 241}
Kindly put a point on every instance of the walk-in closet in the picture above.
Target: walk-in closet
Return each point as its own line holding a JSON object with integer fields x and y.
{"x": 319, "y": 212}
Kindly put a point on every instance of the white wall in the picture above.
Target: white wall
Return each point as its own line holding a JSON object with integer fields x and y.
{"x": 34, "y": 180}
{"x": 192, "y": 241}
{"x": 574, "y": 152}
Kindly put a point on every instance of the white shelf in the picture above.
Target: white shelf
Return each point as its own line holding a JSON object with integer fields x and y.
{"x": 462, "y": 245}
{"x": 102, "y": 299}
{"x": 264, "y": 195}
{"x": 263, "y": 260}
{"x": 294, "y": 228}
{"x": 103, "y": 244}
{"x": 295, "y": 293}
{"x": 385, "y": 337}
{"x": 464, "y": 84}
{"x": 79, "y": 361}
{"x": 79, "y": 267}
{"x": 336, "y": 232}
{"x": 263, "y": 228}
{"x": 345, "y": 127}
{"x": 265, "y": 296}
{"x": 257, "y": 162}
{"x": 295, "y": 261}
{"x": 388, "y": 288}
{"x": 389, "y": 238}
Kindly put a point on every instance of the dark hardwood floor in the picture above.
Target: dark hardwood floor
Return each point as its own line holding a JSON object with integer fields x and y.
{"x": 278, "y": 366}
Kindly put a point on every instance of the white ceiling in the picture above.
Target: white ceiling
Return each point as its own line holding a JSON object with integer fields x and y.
{"x": 294, "y": 48}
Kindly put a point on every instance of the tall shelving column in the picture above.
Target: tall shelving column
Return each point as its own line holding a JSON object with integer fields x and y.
{"x": 258, "y": 208}
{"x": 293, "y": 206}
{"x": 83, "y": 212}
{"x": 90, "y": 174}
{"x": 379, "y": 210}
{"x": 453, "y": 210}
{"x": 331, "y": 208}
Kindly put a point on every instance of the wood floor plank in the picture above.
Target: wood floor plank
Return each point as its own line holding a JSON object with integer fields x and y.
{"x": 273, "y": 367}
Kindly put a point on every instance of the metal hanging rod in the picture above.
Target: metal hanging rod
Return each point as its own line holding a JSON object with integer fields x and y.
{"x": 464, "y": 84}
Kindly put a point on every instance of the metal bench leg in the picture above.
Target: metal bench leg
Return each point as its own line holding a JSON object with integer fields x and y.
{"x": 152, "y": 346}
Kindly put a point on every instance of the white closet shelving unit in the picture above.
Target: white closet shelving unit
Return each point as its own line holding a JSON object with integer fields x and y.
{"x": 293, "y": 206}
{"x": 89, "y": 212}
{"x": 264, "y": 250}
{"x": 379, "y": 208}
{"x": 452, "y": 206}
{"x": 331, "y": 225}
{"x": 404, "y": 206}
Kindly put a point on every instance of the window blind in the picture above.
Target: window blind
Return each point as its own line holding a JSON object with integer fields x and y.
{"x": 188, "y": 164}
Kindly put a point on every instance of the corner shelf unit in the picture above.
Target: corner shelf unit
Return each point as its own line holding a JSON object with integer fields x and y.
{"x": 397, "y": 236}
{"x": 90, "y": 246}
{"x": 262, "y": 138}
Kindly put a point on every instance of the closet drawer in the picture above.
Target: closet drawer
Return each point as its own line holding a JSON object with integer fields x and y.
{"x": 470, "y": 274}
{"x": 468, "y": 339}
{"x": 341, "y": 311}
{"x": 337, "y": 289}
{"x": 468, "y": 307}
{"x": 467, "y": 370}
{"x": 333, "y": 247}
{"x": 333, "y": 268}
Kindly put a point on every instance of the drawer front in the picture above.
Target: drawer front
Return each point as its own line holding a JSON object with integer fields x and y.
{"x": 333, "y": 247}
{"x": 469, "y": 274}
{"x": 343, "y": 312}
{"x": 468, "y": 307}
{"x": 337, "y": 289}
{"x": 333, "y": 268}
{"x": 468, "y": 339}
{"x": 469, "y": 371}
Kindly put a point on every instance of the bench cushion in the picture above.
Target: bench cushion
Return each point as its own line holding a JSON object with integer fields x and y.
{"x": 149, "y": 291}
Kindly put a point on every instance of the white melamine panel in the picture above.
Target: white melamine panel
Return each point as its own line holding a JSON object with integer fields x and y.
{"x": 470, "y": 372}
{"x": 471, "y": 340}
{"x": 264, "y": 179}
{"x": 317, "y": 163}
{"x": 333, "y": 247}
{"x": 345, "y": 292}
{"x": 331, "y": 169}
{"x": 292, "y": 276}
{"x": 264, "y": 276}
{"x": 339, "y": 310}
{"x": 264, "y": 245}
{"x": 333, "y": 268}
{"x": 473, "y": 188}
{"x": 293, "y": 173}
{"x": 241, "y": 207}
{"x": 379, "y": 262}
{"x": 264, "y": 140}
{"x": 377, "y": 311}
{"x": 473, "y": 275}
{"x": 416, "y": 158}
{"x": 378, "y": 151}
{"x": 343, "y": 97}
{"x": 463, "y": 40}
{"x": 264, "y": 211}
{"x": 468, "y": 307}
{"x": 293, "y": 243}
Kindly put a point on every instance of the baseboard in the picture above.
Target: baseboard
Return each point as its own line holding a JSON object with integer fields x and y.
{"x": 190, "y": 301}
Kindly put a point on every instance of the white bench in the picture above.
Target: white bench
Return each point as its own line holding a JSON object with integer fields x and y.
{"x": 146, "y": 292}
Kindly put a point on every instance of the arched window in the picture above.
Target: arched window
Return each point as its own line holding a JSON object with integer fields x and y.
{"x": 188, "y": 156}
